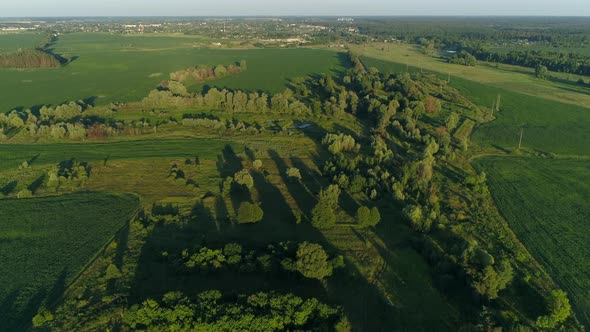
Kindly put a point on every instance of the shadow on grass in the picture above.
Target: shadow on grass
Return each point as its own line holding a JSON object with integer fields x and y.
{"x": 18, "y": 308}
{"x": 157, "y": 274}
{"x": 9, "y": 188}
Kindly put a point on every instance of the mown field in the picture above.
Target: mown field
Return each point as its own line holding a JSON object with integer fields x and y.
{"x": 46, "y": 242}
{"x": 12, "y": 42}
{"x": 549, "y": 126}
{"x": 12, "y": 155}
{"x": 111, "y": 68}
{"x": 546, "y": 203}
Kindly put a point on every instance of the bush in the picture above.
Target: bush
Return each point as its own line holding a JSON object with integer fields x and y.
{"x": 249, "y": 213}
{"x": 312, "y": 261}
{"x": 244, "y": 178}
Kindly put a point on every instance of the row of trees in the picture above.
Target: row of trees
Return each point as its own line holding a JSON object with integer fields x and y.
{"x": 211, "y": 311}
{"x": 573, "y": 63}
{"x": 308, "y": 259}
{"x": 202, "y": 73}
{"x": 28, "y": 58}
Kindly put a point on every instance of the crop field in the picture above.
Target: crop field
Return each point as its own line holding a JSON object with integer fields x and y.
{"x": 12, "y": 155}
{"x": 12, "y": 42}
{"x": 110, "y": 68}
{"x": 46, "y": 242}
{"x": 546, "y": 203}
{"x": 549, "y": 126}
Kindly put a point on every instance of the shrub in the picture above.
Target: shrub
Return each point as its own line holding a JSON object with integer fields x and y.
{"x": 244, "y": 178}
{"x": 249, "y": 213}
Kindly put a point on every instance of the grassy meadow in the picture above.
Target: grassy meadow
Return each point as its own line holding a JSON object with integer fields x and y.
{"x": 46, "y": 242}
{"x": 116, "y": 68}
{"x": 546, "y": 203}
{"x": 13, "y": 155}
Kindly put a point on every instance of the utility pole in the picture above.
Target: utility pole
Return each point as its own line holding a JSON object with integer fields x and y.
{"x": 498, "y": 101}
{"x": 520, "y": 141}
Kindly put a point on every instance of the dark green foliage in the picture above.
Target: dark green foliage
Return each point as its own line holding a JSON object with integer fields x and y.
{"x": 366, "y": 217}
{"x": 312, "y": 261}
{"x": 249, "y": 213}
{"x": 541, "y": 72}
{"x": 213, "y": 312}
{"x": 323, "y": 214}
{"x": 492, "y": 279}
{"x": 204, "y": 73}
{"x": 559, "y": 311}
{"x": 463, "y": 58}
{"x": 30, "y": 58}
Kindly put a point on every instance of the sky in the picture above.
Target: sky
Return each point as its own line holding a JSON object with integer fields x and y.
{"x": 31, "y": 8}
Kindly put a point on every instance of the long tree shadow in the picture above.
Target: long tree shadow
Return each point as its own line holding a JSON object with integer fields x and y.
{"x": 228, "y": 163}
{"x": 9, "y": 188}
{"x": 160, "y": 270}
{"x": 17, "y": 315}
{"x": 301, "y": 194}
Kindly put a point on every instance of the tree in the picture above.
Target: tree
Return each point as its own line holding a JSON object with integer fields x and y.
{"x": 452, "y": 121}
{"x": 559, "y": 311}
{"x": 490, "y": 281}
{"x": 541, "y": 72}
{"x": 294, "y": 173}
{"x": 244, "y": 178}
{"x": 312, "y": 261}
{"x": 249, "y": 213}
{"x": 257, "y": 164}
{"x": 366, "y": 217}
{"x": 323, "y": 214}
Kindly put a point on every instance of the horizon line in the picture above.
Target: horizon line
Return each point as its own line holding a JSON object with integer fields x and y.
{"x": 299, "y": 16}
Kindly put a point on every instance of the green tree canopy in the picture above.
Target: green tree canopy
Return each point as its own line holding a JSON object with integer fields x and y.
{"x": 312, "y": 261}
{"x": 249, "y": 213}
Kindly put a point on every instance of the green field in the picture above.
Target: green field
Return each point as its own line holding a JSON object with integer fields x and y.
{"x": 12, "y": 42}
{"x": 112, "y": 68}
{"x": 46, "y": 242}
{"x": 549, "y": 126}
{"x": 15, "y": 154}
{"x": 546, "y": 203}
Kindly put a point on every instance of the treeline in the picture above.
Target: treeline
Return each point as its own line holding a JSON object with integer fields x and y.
{"x": 37, "y": 57}
{"x": 564, "y": 32}
{"x": 203, "y": 73}
{"x": 211, "y": 311}
{"x": 29, "y": 58}
{"x": 555, "y": 61}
